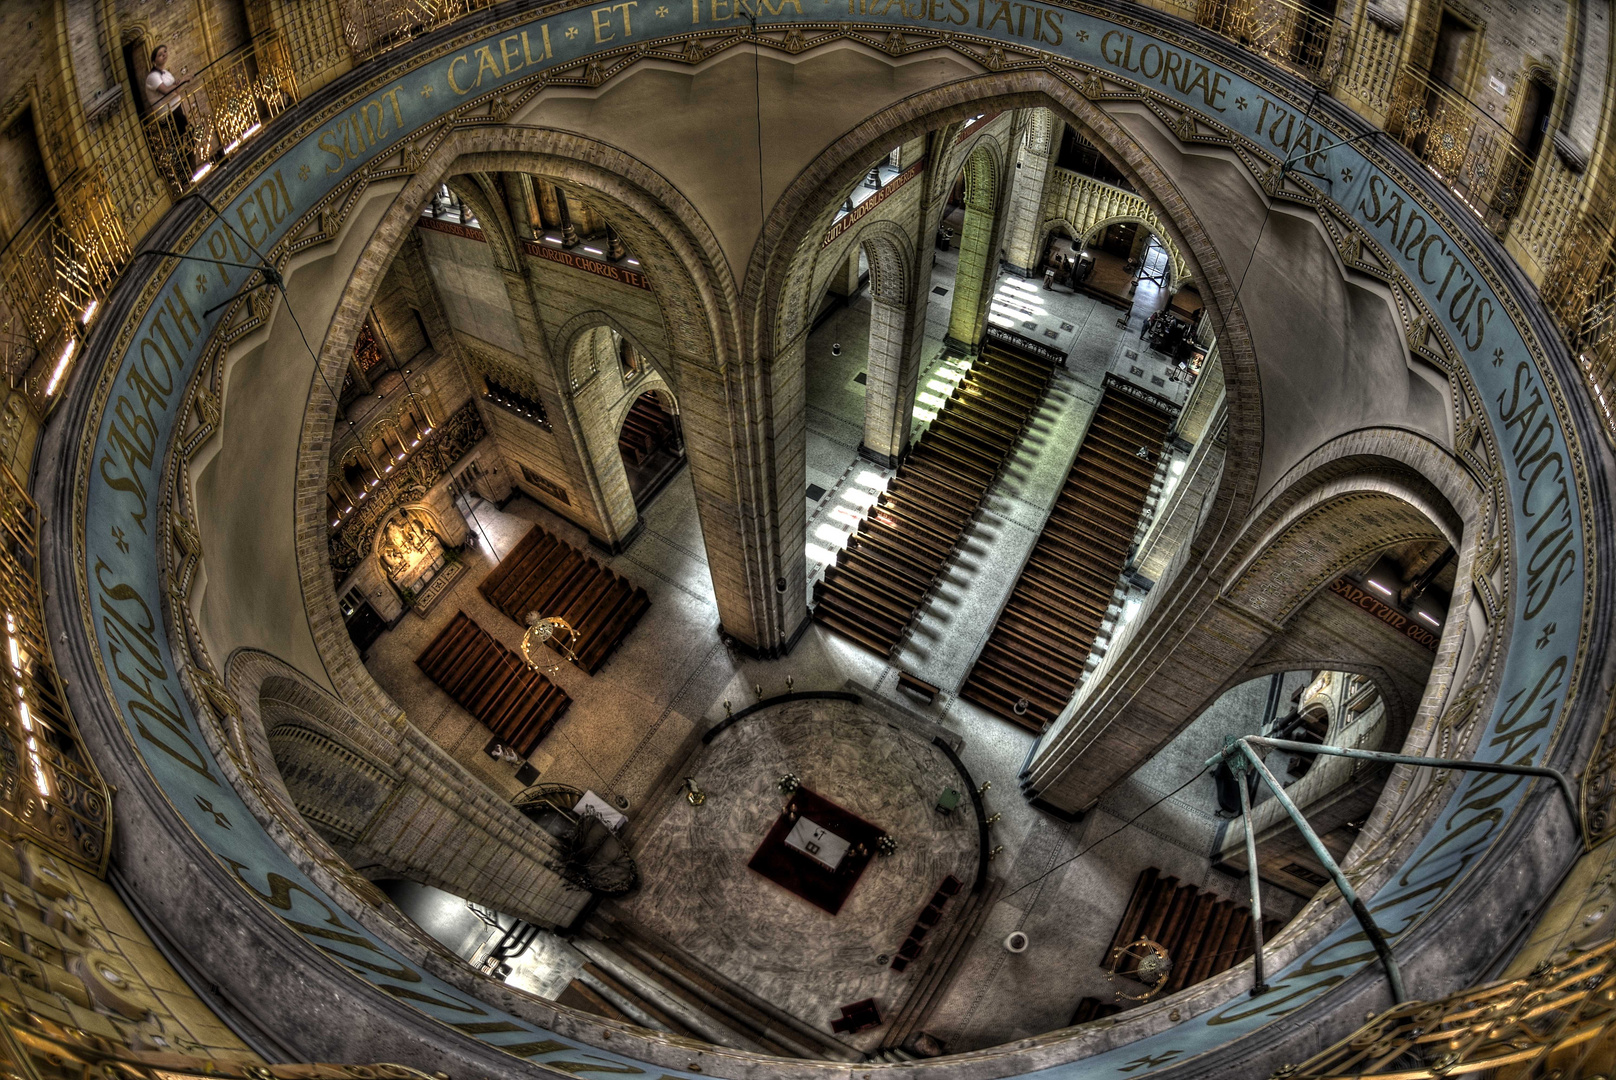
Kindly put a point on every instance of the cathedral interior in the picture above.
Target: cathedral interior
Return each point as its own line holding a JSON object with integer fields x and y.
{"x": 984, "y": 538}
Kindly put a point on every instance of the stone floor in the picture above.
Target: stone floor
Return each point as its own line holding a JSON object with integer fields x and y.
{"x": 638, "y": 716}
{"x": 699, "y": 893}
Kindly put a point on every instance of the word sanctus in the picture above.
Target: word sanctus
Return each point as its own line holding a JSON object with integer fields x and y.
{"x": 1385, "y": 210}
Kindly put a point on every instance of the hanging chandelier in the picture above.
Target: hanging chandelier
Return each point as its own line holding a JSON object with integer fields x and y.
{"x": 548, "y": 630}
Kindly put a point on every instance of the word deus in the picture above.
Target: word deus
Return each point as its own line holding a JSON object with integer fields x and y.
{"x": 1384, "y": 612}
{"x": 1468, "y": 310}
{"x": 1154, "y": 63}
{"x": 990, "y": 15}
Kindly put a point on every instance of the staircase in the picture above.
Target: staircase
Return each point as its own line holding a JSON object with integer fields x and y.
{"x": 934, "y": 974}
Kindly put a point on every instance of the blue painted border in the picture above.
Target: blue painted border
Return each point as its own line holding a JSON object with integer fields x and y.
{"x": 121, "y": 556}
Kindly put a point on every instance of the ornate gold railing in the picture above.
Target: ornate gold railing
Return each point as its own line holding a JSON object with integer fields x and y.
{"x": 374, "y": 26}
{"x": 1559, "y": 1021}
{"x": 50, "y": 792}
{"x": 1580, "y": 288}
{"x": 193, "y": 128}
{"x": 1287, "y": 33}
{"x": 53, "y": 276}
{"x": 1479, "y": 160}
{"x": 35, "y": 1047}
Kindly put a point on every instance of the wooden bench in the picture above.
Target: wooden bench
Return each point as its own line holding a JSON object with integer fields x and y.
{"x": 916, "y": 686}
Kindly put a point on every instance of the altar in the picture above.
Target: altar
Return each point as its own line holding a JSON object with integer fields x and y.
{"x": 410, "y": 552}
{"x": 816, "y": 850}
{"x": 817, "y": 842}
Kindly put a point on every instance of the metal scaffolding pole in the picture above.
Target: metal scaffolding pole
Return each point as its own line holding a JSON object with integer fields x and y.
{"x": 1260, "y": 986}
{"x": 1430, "y": 762}
{"x": 1320, "y": 852}
{"x": 1246, "y": 747}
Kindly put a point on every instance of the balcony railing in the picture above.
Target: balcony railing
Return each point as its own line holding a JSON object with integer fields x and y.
{"x": 1557, "y": 1021}
{"x": 1580, "y": 288}
{"x": 53, "y": 276}
{"x": 374, "y": 26}
{"x": 50, "y": 792}
{"x": 222, "y": 106}
{"x": 1293, "y": 35}
{"x": 1473, "y": 154}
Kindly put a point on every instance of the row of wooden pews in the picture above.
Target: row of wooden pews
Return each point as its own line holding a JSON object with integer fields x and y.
{"x": 646, "y": 428}
{"x": 493, "y": 684}
{"x": 1044, "y": 634}
{"x": 545, "y": 574}
{"x": 1202, "y": 934}
{"x": 879, "y": 581}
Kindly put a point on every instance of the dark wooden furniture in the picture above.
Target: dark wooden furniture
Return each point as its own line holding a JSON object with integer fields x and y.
{"x": 492, "y": 683}
{"x": 543, "y": 573}
{"x": 1043, "y": 636}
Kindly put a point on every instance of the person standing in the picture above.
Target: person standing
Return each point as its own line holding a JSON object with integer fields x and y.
{"x": 160, "y": 88}
{"x": 165, "y": 106}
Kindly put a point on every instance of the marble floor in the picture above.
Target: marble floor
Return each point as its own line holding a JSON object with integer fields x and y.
{"x": 799, "y": 958}
{"x": 635, "y": 722}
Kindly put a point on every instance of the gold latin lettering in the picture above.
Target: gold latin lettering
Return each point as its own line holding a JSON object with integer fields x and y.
{"x": 456, "y": 87}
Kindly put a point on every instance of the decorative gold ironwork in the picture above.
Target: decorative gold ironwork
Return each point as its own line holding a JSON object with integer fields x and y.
{"x": 1580, "y": 288}
{"x": 50, "y": 792}
{"x": 53, "y": 276}
{"x": 367, "y": 350}
{"x": 551, "y": 630}
{"x": 224, "y": 105}
{"x": 374, "y": 26}
{"x": 1478, "y": 160}
{"x": 1558, "y": 1021}
{"x": 35, "y": 1047}
{"x": 1285, "y": 32}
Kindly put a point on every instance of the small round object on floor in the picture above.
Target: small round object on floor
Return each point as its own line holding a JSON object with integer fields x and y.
{"x": 1016, "y": 942}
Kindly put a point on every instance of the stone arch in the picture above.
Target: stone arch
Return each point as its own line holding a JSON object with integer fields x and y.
{"x": 599, "y": 406}
{"x": 1354, "y": 499}
{"x": 568, "y": 336}
{"x": 893, "y": 357}
{"x": 650, "y": 220}
{"x": 1178, "y": 271}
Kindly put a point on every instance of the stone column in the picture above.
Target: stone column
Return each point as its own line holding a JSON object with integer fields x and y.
{"x": 898, "y": 325}
{"x": 748, "y": 478}
{"x": 1176, "y": 521}
{"x": 978, "y": 259}
{"x": 419, "y": 816}
{"x": 1021, "y": 242}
